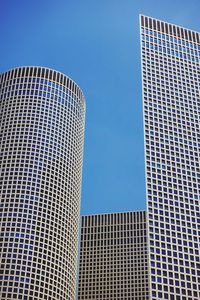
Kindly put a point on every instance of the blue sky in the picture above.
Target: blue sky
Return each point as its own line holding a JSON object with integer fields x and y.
{"x": 96, "y": 43}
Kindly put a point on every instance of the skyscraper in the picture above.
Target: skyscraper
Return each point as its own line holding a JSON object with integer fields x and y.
{"x": 41, "y": 135}
{"x": 171, "y": 102}
{"x": 113, "y": 257}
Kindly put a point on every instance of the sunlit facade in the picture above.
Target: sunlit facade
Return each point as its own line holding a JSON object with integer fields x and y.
{"x": 171, "y": 102}
{"x": 41, "y": 135}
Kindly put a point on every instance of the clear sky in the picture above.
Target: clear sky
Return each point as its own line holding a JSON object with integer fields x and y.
{"x": 96, "y": 43}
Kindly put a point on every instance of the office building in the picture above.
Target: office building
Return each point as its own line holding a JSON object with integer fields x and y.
{"x": 41, "y": 136}
{"x": 168, "y": 266}
{"x": 113, "y": 257}
{"x": 171, "y": 102}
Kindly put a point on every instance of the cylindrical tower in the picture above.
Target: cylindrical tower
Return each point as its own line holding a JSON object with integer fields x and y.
{"x": 41, "y": 147}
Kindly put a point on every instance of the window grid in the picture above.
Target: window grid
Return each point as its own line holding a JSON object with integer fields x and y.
{"x": 41, "y": 132}
{"x": 171, "y": 104}
{"x": 113, "y": 257}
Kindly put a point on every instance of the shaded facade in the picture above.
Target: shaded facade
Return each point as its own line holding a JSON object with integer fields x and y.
{"x": 113, "y": 257}
{"x": 41, "y": 134}
{"x": 171, "y": 103}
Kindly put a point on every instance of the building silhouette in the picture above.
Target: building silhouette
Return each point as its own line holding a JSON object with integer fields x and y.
{"x": 41, "y": 135}
{"x": 113, "y": 257}
{"x": 171, "y": 103}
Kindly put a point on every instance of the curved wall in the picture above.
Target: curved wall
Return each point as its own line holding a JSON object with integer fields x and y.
{"x": 41, "y": 135}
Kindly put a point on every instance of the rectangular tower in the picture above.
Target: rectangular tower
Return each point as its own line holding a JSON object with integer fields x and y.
{"x": 171, "y": 102}
{"x": 113, "y": 257}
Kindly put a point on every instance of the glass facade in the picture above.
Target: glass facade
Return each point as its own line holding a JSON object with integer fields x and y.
{"x": 171, "y": 104}
{"x": 41, "y": 134}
